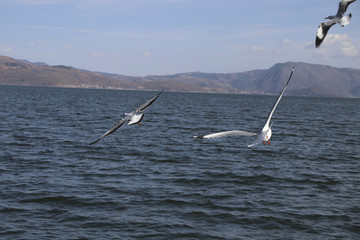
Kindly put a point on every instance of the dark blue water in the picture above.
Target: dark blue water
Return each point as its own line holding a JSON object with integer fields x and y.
{"x": 155, "y": 181}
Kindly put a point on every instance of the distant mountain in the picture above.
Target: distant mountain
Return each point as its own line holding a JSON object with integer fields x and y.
{"x": 308, "y": 79}
{"x": 23, "y": 73}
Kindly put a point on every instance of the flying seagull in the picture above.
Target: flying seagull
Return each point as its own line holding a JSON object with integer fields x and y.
{"x": 264, "y": 135}
{"x": 338, "y": 18}
{"x": 133, "y": 117}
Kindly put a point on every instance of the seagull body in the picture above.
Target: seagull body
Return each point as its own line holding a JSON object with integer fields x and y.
{"x": 133, "y": 117}
{"x": 340, "y": 18}
{"x": 264, "y": 135}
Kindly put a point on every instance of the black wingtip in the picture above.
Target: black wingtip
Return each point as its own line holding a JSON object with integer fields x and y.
{"x": 198, "y": 137}
{"x": 159, "y": 93}
{"x": 95, "y": 142}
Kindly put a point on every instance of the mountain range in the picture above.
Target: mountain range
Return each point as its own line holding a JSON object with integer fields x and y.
{"x": 308, "y": 79}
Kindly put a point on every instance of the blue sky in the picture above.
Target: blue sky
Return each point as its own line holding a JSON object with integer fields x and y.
{"x": 145, "y": 37}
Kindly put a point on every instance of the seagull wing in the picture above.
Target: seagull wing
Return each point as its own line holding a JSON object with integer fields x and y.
{"x": 148, "y": 103}
{"x": 111, "y": 130}
{"x": 277, "y": 101}
{"x": 227, "y": 134}
{"x": 343, "y": 5}
{"x": 322, "y": 31}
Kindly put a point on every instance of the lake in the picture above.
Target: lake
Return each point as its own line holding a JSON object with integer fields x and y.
{"x": 155, "y": 181}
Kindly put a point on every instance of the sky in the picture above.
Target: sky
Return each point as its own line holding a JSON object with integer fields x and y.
{"x": 162, "y": 37}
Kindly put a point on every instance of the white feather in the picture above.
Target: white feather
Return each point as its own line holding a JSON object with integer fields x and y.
{"x": 228, "y": 134}
{"x": 320, "y": 34}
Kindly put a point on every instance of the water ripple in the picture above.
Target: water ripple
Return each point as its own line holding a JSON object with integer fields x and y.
{"x": 157, "y": 182}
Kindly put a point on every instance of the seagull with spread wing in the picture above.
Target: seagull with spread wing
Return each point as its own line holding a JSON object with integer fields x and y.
{"x": 338, "y": 18}
{"x": 264, "y": 135}
{"x": 133, "y": 117}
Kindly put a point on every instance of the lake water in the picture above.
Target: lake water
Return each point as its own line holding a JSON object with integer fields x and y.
{"x": 155, "y": 181}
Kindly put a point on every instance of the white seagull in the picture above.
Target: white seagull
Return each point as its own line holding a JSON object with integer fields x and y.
{"x": 133, "y": 117}
{"x": 338, "y": 18}
{"x": 264, "y": 135}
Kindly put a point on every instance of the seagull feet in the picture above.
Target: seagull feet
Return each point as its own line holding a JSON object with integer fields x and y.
{"x": 264, "y": 142}
{"x": 139, "y": 123}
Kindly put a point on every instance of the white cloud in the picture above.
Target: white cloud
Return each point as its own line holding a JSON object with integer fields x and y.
{"x": 339, "y": 45}
{"x": 7, "y": 50}
{"x": 69, "y": 47}
{"x": 350, "y": 50}
{"x": 96, "y": 54}
{"x": 287, "y": 41}
{"x": 257, "y": 48}
{"x": 104, "y": 55}
{"x": 35, "y": 45}
{"x": 310, "y": 45}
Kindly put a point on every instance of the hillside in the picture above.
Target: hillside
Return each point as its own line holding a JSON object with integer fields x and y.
{"x": 308, "y": 79}
{"x": 23, "y": 73}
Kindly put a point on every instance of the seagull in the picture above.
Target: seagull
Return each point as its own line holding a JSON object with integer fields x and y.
{"x": 338, "y": 18}
{"x": 264, "y": 135}
{"x": 133, "y": 117}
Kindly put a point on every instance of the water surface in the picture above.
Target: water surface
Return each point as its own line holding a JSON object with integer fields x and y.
{"x": 155, "y": 181}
